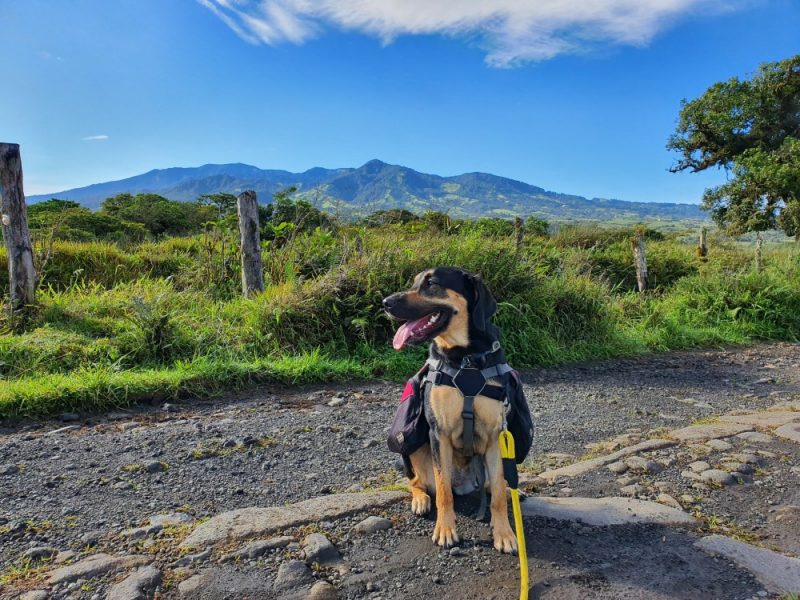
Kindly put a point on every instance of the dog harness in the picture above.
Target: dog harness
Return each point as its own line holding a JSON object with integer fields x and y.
{"x": 470, "y": 381}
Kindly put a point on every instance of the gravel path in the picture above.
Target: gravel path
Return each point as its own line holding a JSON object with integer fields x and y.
{"x": 78, "y": 482}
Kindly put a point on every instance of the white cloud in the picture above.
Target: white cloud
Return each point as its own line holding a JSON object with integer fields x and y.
{"x": 511, "y": 31}
{"x": 95, "y": 138}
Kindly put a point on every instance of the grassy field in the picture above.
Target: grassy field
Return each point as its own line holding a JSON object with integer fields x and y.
{"x": 163, "y": 319}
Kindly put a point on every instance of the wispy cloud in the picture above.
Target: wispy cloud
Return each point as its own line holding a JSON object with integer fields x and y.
{"x": 511, "y": 31}
{"x": 95, "y": 138}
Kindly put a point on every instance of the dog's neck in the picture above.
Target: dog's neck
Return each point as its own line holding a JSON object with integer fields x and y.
{"x": 454, "y": 354}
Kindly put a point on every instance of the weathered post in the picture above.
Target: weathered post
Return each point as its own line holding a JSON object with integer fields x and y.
{"x": 640, "y": 260}
{"x": 519, "y": 233}
{"x": 759, "y": 255}
{"x": 702, "y": 248}
{"x": 21, "y": 274}
{"x": 252, "y": 270}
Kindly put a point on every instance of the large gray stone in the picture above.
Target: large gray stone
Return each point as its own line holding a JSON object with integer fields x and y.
{"x": 710, "y": 431}
{"x": 249, "y": 522}
{"x": 605, "y": 511}
{"x": 776, "y": 572}
{"x": 790, "y": 431}
{"x": 139, "y": 585}
{"x": 764, "y": 420}
{"x": 593, "y": 464}
{"x": 217, "y": 583}
{"x": 293, "y": 574}
{"x": 717, "y": 477}
{"x": 372, "y": 524}
{"x": 317, "y": 548}
{"x": 95, "y": 565}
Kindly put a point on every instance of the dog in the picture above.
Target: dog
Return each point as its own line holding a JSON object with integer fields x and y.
{"x": 452, "y": 309}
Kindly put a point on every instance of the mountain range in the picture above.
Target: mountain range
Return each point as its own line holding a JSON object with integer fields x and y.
{"x": 378, "y": 186}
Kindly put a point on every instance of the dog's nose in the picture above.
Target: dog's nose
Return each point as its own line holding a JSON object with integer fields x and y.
{"x": 389, "y": 302}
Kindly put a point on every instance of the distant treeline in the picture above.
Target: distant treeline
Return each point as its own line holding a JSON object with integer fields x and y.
{"x": 130, "y": 219}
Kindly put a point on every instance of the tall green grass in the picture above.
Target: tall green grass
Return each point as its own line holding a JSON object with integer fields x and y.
{"x": 114, "y": 327}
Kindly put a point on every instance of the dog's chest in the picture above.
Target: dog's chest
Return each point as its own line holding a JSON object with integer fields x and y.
{"x": 444, "y": 407}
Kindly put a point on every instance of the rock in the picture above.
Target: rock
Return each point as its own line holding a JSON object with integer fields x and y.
{"x": 9, "y": 469}
{"x": 778, "y": 573}
{"x": 703, "y": 433}
{"x": 139, "y": 585}
{"x": 790, "y": 431}
{"x": 618, "y": 467}
{"x": 691, "y": 475}
{"x": 763, "y": 420}
{"x": 171, "y": 519}
{"x": 92, "y": 537}
{"x": 720, "y": 445}
{"x": 669, "y": 501}
{"x": 250, "y": 522}
{"x": 69, "y": 417}
{"x": 190, "y": 559}
{"x": 94, "y": 566}
{"x": 605, "y": 511}
{"x": 64, "y": 556}
{"x": 372, "y": 524}
{"x": 122, "y": 485}
{"x": 259, "y": 548}
{"x": 756, "y": 437}
{"x": 137, "y": 533}
{"x": 40, "y": 552}
{"x": 35, "y": 595}
{"x": 717, "y": 477}
{"x": 318, "y": 548}
{"x": 226, "y": 583}
{"x": 626, "y": 480}
{"x": 699, "y": 466}
{"x": 293, "y": 574}
{"x": 687, "y": 499}
{"x": 322, "y": 590}
{"x": 156, "y": 466}
{"x": 593, "y": 464}
{"x": 336, "y": 402}
{"x": 638, "y": 464}
{"x": 632, "y": 490}
{"x": 703, "y": 405}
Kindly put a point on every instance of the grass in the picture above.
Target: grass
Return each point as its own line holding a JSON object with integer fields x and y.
{"x": 114, "y": 327}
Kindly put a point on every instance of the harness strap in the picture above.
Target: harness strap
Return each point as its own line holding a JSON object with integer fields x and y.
{"x": 468, "y": 434}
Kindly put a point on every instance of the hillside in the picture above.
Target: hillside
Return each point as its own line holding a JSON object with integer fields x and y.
{"x": 377, "y": 185}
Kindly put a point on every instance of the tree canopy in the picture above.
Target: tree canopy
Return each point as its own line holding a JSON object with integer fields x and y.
{"x": 751, "y": 128}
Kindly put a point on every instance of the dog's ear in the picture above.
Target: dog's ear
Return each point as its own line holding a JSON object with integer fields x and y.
{"x": 483, "y": 304}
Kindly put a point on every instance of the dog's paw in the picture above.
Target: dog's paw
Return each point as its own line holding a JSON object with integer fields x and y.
{"x": 504, "y": 540}
{"x": 445, "y": 535}
{"x": 420, "y": 504}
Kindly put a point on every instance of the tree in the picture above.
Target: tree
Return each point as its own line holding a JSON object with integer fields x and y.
{"x": 225, "y": 204}
{"x": 750, "y": 128}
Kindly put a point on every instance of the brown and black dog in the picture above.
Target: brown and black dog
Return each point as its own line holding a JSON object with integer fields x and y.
{"x": 453, "y": 308}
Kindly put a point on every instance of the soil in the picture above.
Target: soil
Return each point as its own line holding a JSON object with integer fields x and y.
{"x": 277, "y": 445}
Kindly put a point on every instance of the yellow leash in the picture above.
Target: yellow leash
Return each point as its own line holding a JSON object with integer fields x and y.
{"x": 508, "y": 455}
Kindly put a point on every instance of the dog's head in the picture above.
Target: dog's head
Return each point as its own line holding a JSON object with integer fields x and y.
{"x": 447, "y": 304}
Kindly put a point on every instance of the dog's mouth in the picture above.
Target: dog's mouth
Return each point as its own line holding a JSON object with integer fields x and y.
{"x": 420, "y": 330}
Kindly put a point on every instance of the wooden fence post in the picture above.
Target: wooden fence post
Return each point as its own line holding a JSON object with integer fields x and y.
{"x": 759, "y": 255}
{"x": 702, "y": 247}
{"x": 252, "y": 269}
{"x": 640, "y": 260}
{"x": 519, "y": 233}
{"x": 21, "y": 274}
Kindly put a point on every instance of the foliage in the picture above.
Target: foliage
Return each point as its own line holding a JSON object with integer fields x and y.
{"x": 751, "y": 128}
{"x": 165, "y": 318}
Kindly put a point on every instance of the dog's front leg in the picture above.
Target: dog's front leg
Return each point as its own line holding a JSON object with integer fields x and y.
{"x": 444, "y": 533}
{"x": 504, "y": 539}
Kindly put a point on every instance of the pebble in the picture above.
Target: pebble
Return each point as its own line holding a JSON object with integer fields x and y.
{"x": 293, "y": 574}
{"x": 618, "y": 467}
{"x": 720, "y": 445}
{"x": 718, "y": 477}
{"x": 372, "y": 524}
{"x": 699, "y": 466}
{"x": 318, "y": 548}
{"x": 336, "y": 402}
{"x": 155, "y": 466}
{"x": 322, "y": 590}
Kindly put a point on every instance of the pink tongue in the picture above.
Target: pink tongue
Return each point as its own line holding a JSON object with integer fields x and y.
{"x": 406, "y": 331}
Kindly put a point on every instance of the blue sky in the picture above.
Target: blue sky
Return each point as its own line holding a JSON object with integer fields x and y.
{"x": 572, "y": 99}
